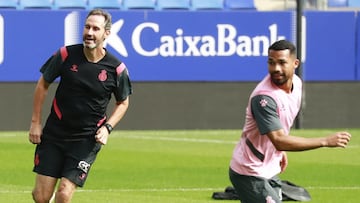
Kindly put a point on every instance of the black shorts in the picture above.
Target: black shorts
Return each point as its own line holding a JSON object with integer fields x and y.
{"x": 255, "y": 189}
{"x": 69, "y": 159}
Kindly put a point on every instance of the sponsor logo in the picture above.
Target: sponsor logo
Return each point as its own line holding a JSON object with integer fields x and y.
{"x": 36, "y": 160}
{"x": 72, "y": 34}
{"x": 74, "y": 68}
{"x": 115, "y": 41}
{"x": 82, "y": 176}
{"x": 269, "y": 199}
{"x": 226, "y": 42}
{"x": 263, "y": 103}
{"x": 84, "y": 166}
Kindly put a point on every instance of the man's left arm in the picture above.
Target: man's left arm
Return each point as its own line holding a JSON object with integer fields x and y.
{"x": 117, "y": 114}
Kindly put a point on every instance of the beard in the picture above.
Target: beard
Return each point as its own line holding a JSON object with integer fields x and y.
{"x": 90, "y": 42}
{"x": 278, "y": 79}
{"x": 90, "y": 46}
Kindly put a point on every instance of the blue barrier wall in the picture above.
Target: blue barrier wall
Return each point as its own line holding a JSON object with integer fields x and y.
{"x": 185, "y": 45}
{"x": 357, "y": 50}
{"x": 331, "y": 46}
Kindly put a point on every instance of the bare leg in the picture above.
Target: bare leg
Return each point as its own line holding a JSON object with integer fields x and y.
{"x": 44, "y": 188}
{"x": 65, "y": 191}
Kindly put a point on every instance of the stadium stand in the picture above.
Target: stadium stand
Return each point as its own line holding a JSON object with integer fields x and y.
{"x": 207, "y": 4}
{"x": 259, "y": 5}
{"x": 272, "y": 5}
{"x": 8, "y": 4}
{"x": 173, "y": 4}
{"x": 139, "y": 4}
{"x": 354, "y": 3}
{"x": 104, "y": 4}
{"x": 239, "y": 4}
{"x": 337, "y": 3}
{"x": 70, "y": 4}
{"x": 35, "y": 4}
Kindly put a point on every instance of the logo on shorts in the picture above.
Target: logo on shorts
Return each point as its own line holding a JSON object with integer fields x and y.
{"x": 36, "y": 160}
{"x": 269, "y": 199}
{"x": 84, "y": 166}
{"x": 82, "y": 176}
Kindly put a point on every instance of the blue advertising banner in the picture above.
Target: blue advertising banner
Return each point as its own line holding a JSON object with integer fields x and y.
{"x": 357, "y": 50}
{"x": 182, "y": 45}
{"x": 156, "y": 46}
{"x": 330, "y": 46}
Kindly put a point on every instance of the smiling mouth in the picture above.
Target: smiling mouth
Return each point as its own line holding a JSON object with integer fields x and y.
{"x": 89, "y": 40}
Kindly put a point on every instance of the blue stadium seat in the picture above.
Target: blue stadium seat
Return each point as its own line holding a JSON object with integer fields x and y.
{"x": 35, "y": 4}
{"x": 337, "y": 3}
{"x": 173, "y": 4}
{"x": 70, "y": 4}
{"x": 8, "y": 4}
{"x": 239, "y": 4}
{"x": 104, "y": 4}
{"x": 354, "y": 3}
{"x": 139, "y": 4}
{"x": 207, "y": 4}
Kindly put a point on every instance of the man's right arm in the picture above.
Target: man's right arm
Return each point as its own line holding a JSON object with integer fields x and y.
{"x": 40, "y": 93}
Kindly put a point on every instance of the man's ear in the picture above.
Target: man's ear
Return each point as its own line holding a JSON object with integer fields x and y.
{"x": 297, "y": 63}
{"x": 107, "y": 34}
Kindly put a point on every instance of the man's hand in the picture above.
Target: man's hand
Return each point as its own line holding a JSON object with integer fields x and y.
{"x": 284, "y": 162}
{"x": 102, "y": 135}
{"x": 338, "y": 139}
{"x": 35, "y": 133}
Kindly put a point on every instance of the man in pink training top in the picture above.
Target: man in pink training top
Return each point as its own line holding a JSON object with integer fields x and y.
{"x": 260, "y": 154}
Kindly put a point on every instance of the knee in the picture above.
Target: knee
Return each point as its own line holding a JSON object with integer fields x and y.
{"x": 63, "y": 195}
{"x": 40, "y": 197}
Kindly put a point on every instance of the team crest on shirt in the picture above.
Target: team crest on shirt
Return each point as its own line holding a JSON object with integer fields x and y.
{"x": 263, "y": 102}
{"x": 102, "y": 75}
{"x": 74, "y": 68}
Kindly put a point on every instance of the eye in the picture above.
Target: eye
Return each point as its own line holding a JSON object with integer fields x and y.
{"x": 271, "y": 62}
{"x": 282, "y": 62}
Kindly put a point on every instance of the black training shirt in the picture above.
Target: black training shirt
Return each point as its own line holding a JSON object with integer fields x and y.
{"x": 83, "y": 93}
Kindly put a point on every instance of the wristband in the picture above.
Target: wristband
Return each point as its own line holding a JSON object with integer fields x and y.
{"x": 108, "y": 127}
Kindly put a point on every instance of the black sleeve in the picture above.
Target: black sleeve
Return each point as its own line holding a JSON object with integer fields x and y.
{"x": 264, "y": 111}
{"x": 123, "y": 87}
{"x": 51, "y": 68}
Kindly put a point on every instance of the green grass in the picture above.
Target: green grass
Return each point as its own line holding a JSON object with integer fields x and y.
{"x": 180, "y": 167}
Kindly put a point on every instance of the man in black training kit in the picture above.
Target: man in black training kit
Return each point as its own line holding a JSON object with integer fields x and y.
{"x": 77, "y": 125}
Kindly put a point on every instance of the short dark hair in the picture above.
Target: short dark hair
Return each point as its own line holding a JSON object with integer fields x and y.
{"x": 282, "y": 45}
{"x": 106, "y": 15}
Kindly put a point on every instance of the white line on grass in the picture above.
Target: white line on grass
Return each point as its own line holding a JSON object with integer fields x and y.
{"x": 178, "y": 139}
{"x": 204, "y": 189}
{"x": 191, "y": 140}
{"x": 176, "y": 189}
{"x": 154, "y": 190}
{"x": 333, "y": 188}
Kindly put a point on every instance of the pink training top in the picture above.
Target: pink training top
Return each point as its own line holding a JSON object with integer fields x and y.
{"x": 244, "y": 161}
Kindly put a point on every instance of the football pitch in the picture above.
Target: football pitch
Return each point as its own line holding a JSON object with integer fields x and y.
{"x": 181, "y": 166}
